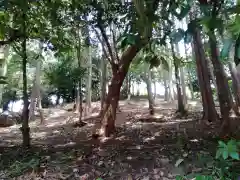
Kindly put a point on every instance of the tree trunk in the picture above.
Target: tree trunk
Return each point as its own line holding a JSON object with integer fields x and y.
{"x": 180, "y": 108}
{"x": 148, "y": 80}
{"x": 103, "y": 83}
{"x": 25, "y": 115}
{"x": 222, "y": 83}
{"x": 235, "y": 86}
{"x": 4, "y": 51}
{"x": 89, "y": 79}
{"x": 128, "y": 88}
{"x": 209, "y": 111}
{"x": 36, "y": 95}
{"x": 166, "y": 86}
{"x": 77, "y": 101}
{"x": 111, "y": 101}
{"x": 182, "y": 79}
{"x": 155, "y": 89}
{"x": 210, "y": 70}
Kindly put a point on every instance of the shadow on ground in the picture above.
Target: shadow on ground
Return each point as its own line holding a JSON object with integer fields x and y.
{"x": 142, "y": 148}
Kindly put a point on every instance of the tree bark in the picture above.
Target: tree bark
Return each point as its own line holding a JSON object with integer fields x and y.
{"x": 89, "y": 81}
{"x": 180, "y": 108}
{"x": 222, "y": 83}
{"x": 166, "y": 86}
{"x": 4, "y": 51}
{"x": 25, "y": 115}
{"x": 209, "y": 111}
{"x": 235, "y": 86}
{"x": 103, "y": 83}
{"x": 182, "y": 79}
{"x": 148, "y": 80}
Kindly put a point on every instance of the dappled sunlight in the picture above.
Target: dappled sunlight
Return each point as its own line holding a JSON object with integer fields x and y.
{"x": 57, "y": 113}
{"x": 194, "y": 140}
{"x": 148, "y": 139}
{"x": 70, "y": 144}
{"x": 39, "y": 135}
{"x": 53, "y": 124}
{"x": 121, "y": 138}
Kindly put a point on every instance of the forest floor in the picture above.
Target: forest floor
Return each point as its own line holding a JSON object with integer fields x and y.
{"x": 143, "y": 147}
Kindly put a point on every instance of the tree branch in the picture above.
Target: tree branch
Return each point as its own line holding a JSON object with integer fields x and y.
{"x": 103, "y": 46}
{"x": 104, "y": 35}
{"x": 114, "y": 45}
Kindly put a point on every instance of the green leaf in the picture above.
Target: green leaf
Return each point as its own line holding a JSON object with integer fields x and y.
{"x": 179, "y": 177}
{"x": 222, "y": 144}
{"x": 234, "y": 155}
{"x": 225, "y": 154}
{"x": 227, "y": 44}
{"x": 218, "y": 154}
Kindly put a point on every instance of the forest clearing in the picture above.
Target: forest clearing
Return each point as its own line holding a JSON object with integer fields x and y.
{"x": 143, "y": 147}
{"x": 120, "y": 89}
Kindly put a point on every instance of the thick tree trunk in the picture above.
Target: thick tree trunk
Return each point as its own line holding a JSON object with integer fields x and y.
{"x": 25, "y": 115}
{"x": 111, "y": 101}
{"x": 235, "y": 86}
{"x": 209, "y": 111}
{"x": 222, "y": 83}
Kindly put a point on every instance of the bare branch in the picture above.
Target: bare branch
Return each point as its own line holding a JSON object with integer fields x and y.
{"x": 104, "y": 35}
{"x": 103, "y": 46}
{"x": 114, "y": 45}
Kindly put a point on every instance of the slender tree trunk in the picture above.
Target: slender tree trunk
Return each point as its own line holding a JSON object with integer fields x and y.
{"x": 222, "y": 84}
{"x": 148, "y": 80}
{"x": 103, "y": 83}
{"x": 129, "y": 89}
{"x": 79, "y": 105}
{"x": 25, "y": 126}
{"x": 166, "y": 86}
{"x": 89, "y": 80}
{"x": 38, "y": 91}
{"x": 155, "y": 89}
{"x": 4, "y": 51}
{"x": 181, "y": 108}
{"x": 182, "y": 79}
{"x": 32, "y": 106}
{"x": 77, "y": 101}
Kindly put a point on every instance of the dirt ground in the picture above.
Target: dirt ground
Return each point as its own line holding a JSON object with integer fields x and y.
{"x": 143, "y": 147}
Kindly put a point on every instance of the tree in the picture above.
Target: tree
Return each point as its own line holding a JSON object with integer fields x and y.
{"x": 120, "y": 65}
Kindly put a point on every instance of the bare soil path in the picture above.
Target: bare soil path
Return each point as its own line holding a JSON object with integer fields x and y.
{"x": 143, "y": 147}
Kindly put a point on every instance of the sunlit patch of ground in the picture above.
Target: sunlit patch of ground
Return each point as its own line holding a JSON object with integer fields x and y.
{"x": 143, "y": 147}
